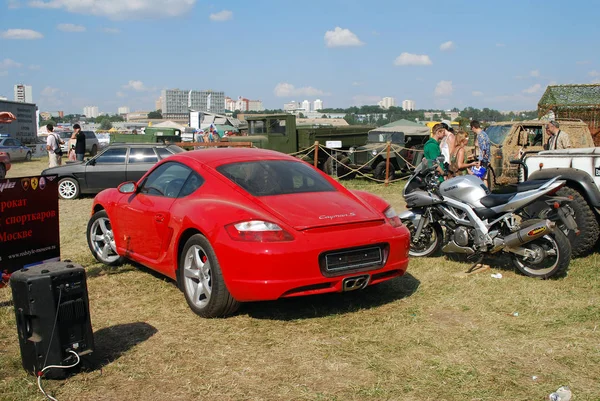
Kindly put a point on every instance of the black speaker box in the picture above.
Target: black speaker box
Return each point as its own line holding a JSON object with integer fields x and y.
{"x": 52, "y": 312}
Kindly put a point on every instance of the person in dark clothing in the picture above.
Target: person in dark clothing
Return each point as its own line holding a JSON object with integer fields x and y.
{"x": 79, "y": 142}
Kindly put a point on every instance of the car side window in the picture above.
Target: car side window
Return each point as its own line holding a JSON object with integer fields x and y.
{"x": 89, "y": 135}
{"x": 9, "y": 142}
{"x": 142, "y": 155}
{"x": 166, "y": 180}
{"x": 163, "y": 152}
{"x": 112, "y": 156}
{"x": 193, "y": 182}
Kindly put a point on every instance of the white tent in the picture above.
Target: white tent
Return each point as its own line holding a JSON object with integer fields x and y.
{"x": 169, "y": 124}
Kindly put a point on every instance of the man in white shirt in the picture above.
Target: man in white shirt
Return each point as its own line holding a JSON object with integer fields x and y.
{"x": 53, "y": 142}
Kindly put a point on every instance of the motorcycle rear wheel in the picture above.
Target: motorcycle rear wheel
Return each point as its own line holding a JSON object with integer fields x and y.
{"x": 553, "y": 254}
{"x": 430, "y": 242}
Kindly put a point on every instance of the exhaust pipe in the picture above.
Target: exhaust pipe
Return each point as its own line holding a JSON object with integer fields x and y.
{"x": 529, "y": 234}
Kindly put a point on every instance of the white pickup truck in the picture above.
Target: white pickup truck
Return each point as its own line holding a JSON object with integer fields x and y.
{"x": 581, "y": 169}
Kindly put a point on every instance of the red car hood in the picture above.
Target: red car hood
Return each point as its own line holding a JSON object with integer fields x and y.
{"x": 311, "y": 210}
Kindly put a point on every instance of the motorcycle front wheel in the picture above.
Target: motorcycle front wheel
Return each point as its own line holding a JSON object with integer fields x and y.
{"x": 428, "y": 243}
{"x": 552, "y": 256}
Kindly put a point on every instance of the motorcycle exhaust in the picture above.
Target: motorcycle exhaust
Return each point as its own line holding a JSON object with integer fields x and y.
{"x": 528, "y": 234}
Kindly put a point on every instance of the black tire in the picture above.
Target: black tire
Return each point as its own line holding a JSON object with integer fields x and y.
{"x": 379, "y": 171}
{"x": 2, "y": 171}
{"x": 94, "y": 150}
{"x": 546, "y": 265}
{"x": 28, "y": 157}
{"x": 432, "y": 238}
{"x": 342, "y": 171}
{"x": 219, "y": 302}
{"x": 587, "y": 223}
{"x": 68, "y": 188}
{"x": 101, "y": 240}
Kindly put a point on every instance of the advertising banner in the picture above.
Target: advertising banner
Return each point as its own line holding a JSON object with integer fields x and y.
{"x": 29, "y": 224}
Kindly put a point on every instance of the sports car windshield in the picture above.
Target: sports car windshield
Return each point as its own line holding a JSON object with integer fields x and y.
{"x": 497, "y": 133}
{"x": 275, "y": 177}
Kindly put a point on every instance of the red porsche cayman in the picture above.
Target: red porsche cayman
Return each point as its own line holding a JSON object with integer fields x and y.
{"x": 235, "y": 225}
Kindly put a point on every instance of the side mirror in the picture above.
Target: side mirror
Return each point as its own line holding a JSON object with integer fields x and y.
{"x": 128, "y": 187}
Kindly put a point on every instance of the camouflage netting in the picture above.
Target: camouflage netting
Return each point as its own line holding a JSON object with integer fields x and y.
{"x": 574, "y": 101}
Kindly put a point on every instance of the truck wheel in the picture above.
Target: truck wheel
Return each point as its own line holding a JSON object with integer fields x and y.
{"x": 586, "y": 220}
{"x": 379, "y": 172}
{"x": 342, "y": 171}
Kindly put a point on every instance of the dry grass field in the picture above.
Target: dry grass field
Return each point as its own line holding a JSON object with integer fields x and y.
{"x": 433, "y": 334}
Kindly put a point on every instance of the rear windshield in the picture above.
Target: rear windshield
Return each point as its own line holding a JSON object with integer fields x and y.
{"x": 275, "y": 177}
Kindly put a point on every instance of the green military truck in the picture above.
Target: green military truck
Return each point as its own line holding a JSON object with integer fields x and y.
{"x": 151, "y": 134}
{"x": 280, "y": 132}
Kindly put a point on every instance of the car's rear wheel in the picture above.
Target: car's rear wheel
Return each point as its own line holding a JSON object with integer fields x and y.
{"x": 379, "y": 171}
{"x": 94, "y": 150}
{"x": 28, "y": 157}
{"x": 2, "y": 171}
{"x": 101, "y": 240}
{"x": 201, "y": 280}
{"x": 68, "y": 188}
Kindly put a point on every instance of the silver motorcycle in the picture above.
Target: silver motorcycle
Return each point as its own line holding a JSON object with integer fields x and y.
{"x": 462, "y": 217}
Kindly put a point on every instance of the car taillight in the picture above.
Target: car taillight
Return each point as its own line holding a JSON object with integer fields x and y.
{"x": 257, "y": 231}
{"x": 392, "y": 217}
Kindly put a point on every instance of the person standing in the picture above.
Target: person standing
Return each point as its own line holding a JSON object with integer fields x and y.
{"x": 431, "y": 150}
{"x": 79, "y": 138}
{"x": 53, "y": 142}
{"x": 558, "y": 139}
{"x": 458, "y": 160}
{"x": 483, "y": 143}
{"x": 448, "y": 144}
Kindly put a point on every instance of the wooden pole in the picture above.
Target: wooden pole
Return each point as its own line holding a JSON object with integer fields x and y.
{"x": 387, "y": 163}
{"x": 316, "y": 162}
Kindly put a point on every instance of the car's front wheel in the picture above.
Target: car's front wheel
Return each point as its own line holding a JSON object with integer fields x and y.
{"x": 101, "y": 239}
{"x": 94, "y": 150}
{"x": 201, "y": 280}
{"x": 68, "y": 188}
{"x": 2, "y": 171}
{"x": 28, "y": 157}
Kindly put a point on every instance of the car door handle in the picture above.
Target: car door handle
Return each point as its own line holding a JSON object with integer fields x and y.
{"x": 159, "y": 217}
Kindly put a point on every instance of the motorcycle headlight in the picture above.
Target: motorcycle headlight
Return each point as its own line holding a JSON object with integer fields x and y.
{"x": 374, "y": 152}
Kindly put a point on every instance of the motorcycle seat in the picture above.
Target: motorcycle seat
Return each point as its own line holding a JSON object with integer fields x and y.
{"x": 496, "y": 199}
{"x": 529, "y": 185}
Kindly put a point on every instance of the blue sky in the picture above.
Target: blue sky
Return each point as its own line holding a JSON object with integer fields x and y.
{"x": 112, "y": 53}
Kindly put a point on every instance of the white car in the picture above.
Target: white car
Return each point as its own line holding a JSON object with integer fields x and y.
{"x": 91, "y": 142}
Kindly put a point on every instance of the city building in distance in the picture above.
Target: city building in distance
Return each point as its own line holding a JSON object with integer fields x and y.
{"x": 408, "y": 105}
{"x": 123, "y": 110}
{"x": 387, "y": 102}
{"x": 91, "y": 111}
{"x": 177, "y": 103}
{"x": 242, "y": 104}
{"x": 317, "y": 105}
{"x": 23, "y": 93}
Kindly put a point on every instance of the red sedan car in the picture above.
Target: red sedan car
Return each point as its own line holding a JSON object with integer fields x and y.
{"x": 235, "y": 225}
{"x": 4, "y": 164}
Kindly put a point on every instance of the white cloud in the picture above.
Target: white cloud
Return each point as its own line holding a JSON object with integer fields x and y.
{"x": 136, "y": 86}
{"x": 111, "y": 30}
{"x": 449, "y": 45}
{"x": 534, "y": 73}
{"x": 357, "y": 83}
{"x": 284, "y": 89}
{"x": 25, "y": 34}
{"x": 12, "y": 4}
{"x": 533, "y": 89}
{"x": 120, "y": 94}
{"x": 594, "y": 73}
{"x": 35, "y": 67}
{"x": 224, "y": 15}
{"x": 477, "y": 93}
{"x": 500, "y": 45}
{"x": 70, "y": 28}
{"x": 49, "y": 91}
{"x": 412, "y": 59}
{"x": 583, "y": 62}
{"x": 3, "y": 73}
{"x": 361, "y": 100}
{"x": 443, "y": 89}
{"x": 119, "y": 9}
{"x": 340, "y": 37}
{"x": 8, "y": 63}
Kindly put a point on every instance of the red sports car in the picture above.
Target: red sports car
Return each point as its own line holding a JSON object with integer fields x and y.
{"x": 235, "y": 225}
{"x": 4, "y": 164}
